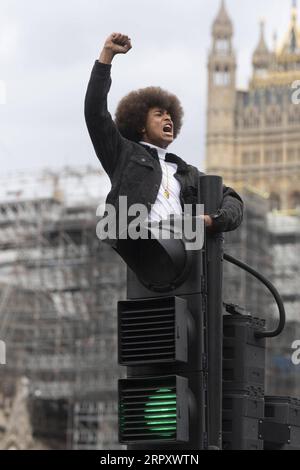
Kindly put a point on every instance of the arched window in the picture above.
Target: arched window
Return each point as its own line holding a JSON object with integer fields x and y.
{"x": 256, "y": 98}
{"x": 275, "y": 203}
{"x": 268, "y": 95}
{"x": 221, "y": 76}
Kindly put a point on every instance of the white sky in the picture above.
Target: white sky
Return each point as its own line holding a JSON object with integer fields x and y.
{"x": 47, "y": 50}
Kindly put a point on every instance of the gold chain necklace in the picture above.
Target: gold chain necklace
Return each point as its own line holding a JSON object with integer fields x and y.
{"x": 166, "y": 189}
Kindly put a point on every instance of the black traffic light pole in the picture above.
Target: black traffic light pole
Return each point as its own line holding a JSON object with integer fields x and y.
{"x": 210, "y": 194}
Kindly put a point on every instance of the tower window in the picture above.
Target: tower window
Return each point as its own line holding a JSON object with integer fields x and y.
{"x": 279, "y": 97}
{"x": 221, "y": 77}
{"x": 245, "y": 99}
{"x": 250, "y": 158}
{"x": 269, "y": 97}
{"x": 256, "y": 99}
{"x": 222, "y": 46}
{"x": 273, "y": 156}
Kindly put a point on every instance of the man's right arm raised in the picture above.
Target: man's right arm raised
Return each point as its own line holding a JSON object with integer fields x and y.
{"x": 105, "y": 136}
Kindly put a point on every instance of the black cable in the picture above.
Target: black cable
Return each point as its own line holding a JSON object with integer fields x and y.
{"x": 272, "y": 289}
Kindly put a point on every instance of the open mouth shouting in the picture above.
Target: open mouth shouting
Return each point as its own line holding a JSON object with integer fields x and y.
{"x": 168, "y": 129}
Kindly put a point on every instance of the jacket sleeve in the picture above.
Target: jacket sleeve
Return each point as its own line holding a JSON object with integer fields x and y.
{"x": 230, "y": 215}
{"x": 104, "y": 134}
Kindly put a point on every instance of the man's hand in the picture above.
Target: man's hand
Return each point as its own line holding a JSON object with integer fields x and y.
{"x": 116, "y": 43}
{"x": 208, "y": 221}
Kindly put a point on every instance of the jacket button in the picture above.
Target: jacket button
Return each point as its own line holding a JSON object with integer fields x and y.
{"x": 143, "y": 160}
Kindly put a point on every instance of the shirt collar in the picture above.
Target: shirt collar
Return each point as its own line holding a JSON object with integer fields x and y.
{"x": 160, "y": 151}
{"x": 182, "y": 167}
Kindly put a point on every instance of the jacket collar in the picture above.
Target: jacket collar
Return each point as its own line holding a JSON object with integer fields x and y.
{"x": 182, "y": 166}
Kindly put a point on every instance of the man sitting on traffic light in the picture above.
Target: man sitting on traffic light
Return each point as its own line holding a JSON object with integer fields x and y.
{"x": 133, "y": 149}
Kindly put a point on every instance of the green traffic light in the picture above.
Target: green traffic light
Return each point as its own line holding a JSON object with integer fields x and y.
{"x": 160, "y": 415}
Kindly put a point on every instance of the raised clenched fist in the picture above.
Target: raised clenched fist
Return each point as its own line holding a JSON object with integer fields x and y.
{"x": 116, "y": 43}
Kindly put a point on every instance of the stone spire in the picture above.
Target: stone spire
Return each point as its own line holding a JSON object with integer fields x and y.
{"x": 261, "y": 56}
{"x": 291, "y": 43}
{"x": 222, "y": 26}
{"x": 294, "y": 32}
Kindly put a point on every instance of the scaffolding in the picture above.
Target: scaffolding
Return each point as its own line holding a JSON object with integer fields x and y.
{"x": 283, "y": 376}
{"x": 58, "y": 291}
{"x": 250, "y": 244}
{"x": 95, "y": 424}
{"x": 270, "y": 243}
{"x": 284, "y": 230}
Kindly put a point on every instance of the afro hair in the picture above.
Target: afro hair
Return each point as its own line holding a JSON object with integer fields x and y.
{"x": 132, "y": 111}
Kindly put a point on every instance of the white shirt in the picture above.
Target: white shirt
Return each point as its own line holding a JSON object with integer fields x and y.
{"x": 163, "y": 207}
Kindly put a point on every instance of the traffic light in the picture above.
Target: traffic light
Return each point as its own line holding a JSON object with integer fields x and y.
{"x": 154, "y": 409}
{"x": 163, "y": 340}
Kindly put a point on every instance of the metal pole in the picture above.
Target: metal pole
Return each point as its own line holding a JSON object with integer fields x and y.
{"x": 210, "y": 194}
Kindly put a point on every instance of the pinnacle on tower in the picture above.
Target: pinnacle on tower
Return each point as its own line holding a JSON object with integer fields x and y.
{"x": 293, "y": 36}
{"x": 261, "y": 56}
{"x": 223, "y": 16}
{"x": 222, "y": 26}
{"x": 291, "y": 43}
{"x": 262, "y": 46}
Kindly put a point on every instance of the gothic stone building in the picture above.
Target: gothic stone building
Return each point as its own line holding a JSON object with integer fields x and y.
{"x": 253, "y": 135}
